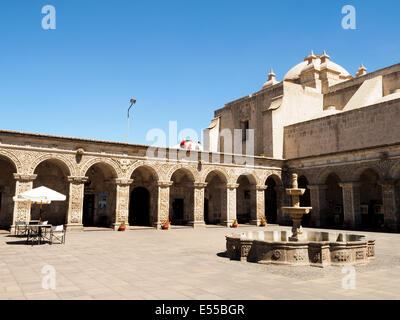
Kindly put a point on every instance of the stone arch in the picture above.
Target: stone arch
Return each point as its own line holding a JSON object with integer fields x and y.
{"x": 115, "y": 168}
{"x": 52, "y": 171}
{"x": 371, "y": 197}
{"x": 357, "y": 172}
{"x": 321, "y": 178}
{"x": 191, "y": 172}
{"x": 253, "y": 179}
{"x": 13, "y": 159}
{"x": 59, "y": 159}
{"x": 222, "y": 173}
{"x": 145, "y": 165}
{"x": 277, "y": 179}
{"x": 394, "y": 172}
{"x": 8, "y": 169}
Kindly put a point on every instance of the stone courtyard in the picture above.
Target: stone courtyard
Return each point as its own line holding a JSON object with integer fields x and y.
{"x": 180, "y": 263}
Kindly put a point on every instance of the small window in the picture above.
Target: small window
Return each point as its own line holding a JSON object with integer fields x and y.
{"x": 244, "y": 126}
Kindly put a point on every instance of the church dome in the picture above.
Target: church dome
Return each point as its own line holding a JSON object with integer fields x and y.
{"x": 320, "y": 62}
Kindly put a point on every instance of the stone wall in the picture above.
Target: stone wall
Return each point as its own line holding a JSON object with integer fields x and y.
{"x": 361, "y": 128}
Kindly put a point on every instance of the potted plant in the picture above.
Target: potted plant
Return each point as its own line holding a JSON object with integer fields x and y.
{"x": 122, "y": 226}
{"x": 235, "y": 224}
{"x": 263, "y": 221}
{"x": 165, "y": 224}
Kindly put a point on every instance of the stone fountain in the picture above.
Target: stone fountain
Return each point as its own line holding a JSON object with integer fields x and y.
{"x": 295, "y": 211}
{"x": 314, "y": 248}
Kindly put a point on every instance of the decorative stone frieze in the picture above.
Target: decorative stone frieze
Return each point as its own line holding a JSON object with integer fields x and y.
{"x": 22, "y": 209}
{"x": 75, "y": 207}
{"x": 389, "y": 204}
{"x": 198, "y": 219}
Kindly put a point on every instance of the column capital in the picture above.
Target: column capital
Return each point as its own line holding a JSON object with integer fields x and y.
{"x": 350, "y": 184}
{"x": 24, "y": 177}
{"x": 261, "y": 187}
{"x": 123, "y": 182}
{"x": 387, "y": 183}
{"x": 164, "y": 184}
{"x": 232, "y": 186}
{"x": 200, "y": 185}
{"x": 78, "y": 179}
{"x": 317, "y": 187}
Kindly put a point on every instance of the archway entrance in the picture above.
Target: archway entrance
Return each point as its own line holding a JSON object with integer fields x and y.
{"x": 271, "y": 201}
{"x": 245, "y": 195}
{"x": 139, "y": 207}
{"x": 52, "y": 174}
{"x": 7, "y": 191}
{"x": 181, "y": 209}
{"x": 215, "y": 198}
{"x": 143, "y": 197}
{"x": 371, "y": 200}
{"x": 334, "y": 198}
{"x": 99, "y": 196}
{"x": 305, "y": 201}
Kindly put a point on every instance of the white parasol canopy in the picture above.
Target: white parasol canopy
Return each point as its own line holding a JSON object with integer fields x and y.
{"x": 40, "y": 195}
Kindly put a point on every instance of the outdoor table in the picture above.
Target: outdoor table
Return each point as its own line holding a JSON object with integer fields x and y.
{"x": 36, "y": 231}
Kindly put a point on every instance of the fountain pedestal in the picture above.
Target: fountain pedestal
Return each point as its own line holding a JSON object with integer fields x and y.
{"x": 295, "y": 211}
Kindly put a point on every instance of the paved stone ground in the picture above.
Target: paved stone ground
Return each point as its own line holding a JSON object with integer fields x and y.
{"x": 181, "y": 263}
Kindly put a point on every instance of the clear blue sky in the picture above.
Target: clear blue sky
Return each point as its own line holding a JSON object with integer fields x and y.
{"x": 181, "y": 60}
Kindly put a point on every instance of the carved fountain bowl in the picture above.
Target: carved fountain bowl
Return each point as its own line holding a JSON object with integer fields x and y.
{"x": 319, "y": 249}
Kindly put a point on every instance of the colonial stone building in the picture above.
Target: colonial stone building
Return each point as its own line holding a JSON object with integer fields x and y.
{"x": 340, "y": 133}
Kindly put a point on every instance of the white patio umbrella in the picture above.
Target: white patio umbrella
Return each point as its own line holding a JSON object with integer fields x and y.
{"x": 41, "y": 195}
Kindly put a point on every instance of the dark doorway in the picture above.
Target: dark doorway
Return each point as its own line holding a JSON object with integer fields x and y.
{"x": 271, "y": 208}
{"x": 177, "y": 211}
{"x": 206, "y": 220}
{"x": 139, "y": 207}
{"x": 88, "y": 210}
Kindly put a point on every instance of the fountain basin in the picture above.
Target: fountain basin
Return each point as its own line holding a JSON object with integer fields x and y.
{"x": 319, "y": 249}
{"x": 295, "y": 191}
{"x": 296, "y": 210}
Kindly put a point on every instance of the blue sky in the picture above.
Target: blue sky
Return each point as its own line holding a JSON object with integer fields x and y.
{"x": 180, "y": 60}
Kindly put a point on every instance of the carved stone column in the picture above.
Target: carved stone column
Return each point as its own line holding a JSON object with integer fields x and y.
{"x": 389, "y": 204}
{"x": 122, "y": 202}
{"x": 318, "y": 204}
{"x": 22, "y": 209}
{"x": 163, "y": 202}
{"x": 351, "y": 203}
{"x": 258, "y": 204}
{"x": 75, "y": 206}
{"x": 229, "y": 214}
{"x": 198, "y": 220}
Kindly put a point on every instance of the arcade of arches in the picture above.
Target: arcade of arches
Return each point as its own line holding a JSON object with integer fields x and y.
{"x": 104, "y": 190}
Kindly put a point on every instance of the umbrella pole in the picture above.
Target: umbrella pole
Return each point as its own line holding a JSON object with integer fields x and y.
{"x": 40, "y": 212}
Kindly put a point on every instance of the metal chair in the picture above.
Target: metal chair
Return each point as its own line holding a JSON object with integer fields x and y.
{"x": 33, "y": 234}
{"x": 58, "y": 233}
{"x": 20, "y": 228}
